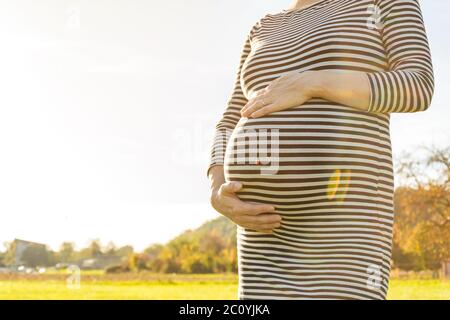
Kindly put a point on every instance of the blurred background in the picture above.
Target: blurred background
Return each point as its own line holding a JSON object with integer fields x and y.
{"x": 107, "y": 113}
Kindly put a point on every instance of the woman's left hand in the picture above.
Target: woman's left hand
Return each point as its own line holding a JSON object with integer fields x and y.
{"x": 290, "y": 90}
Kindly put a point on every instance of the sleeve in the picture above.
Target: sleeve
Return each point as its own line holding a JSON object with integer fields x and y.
{"x": 408, "y": 84}
{"x": 231, "y": 116}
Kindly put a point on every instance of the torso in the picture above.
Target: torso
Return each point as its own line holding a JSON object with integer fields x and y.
{"x": 333, "y": 181}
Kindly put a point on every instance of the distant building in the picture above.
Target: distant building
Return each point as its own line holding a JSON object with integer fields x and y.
{"x": 101, "y": 262}
{"x": 21, "y": 246}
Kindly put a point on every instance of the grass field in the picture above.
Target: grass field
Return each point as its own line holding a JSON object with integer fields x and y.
{"x": 149, "y": 286}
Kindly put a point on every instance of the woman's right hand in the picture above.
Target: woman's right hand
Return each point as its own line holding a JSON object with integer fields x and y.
{"x": 245, "y": 214}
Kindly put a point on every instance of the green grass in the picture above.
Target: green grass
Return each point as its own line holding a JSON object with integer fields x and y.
{"x": 419, "y": 290}
{"x": 115, "y": 290}
{"x": 97, "y": 286}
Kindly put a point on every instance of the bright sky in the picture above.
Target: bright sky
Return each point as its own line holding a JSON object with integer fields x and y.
{"x": 107, "y": 110}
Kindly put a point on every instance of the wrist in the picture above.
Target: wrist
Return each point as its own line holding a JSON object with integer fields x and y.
{"x": 214, "y": 191}
{"x": 215, "y": 201}
{"x": 314, "y": 83}
{"x": 216, "y": 177}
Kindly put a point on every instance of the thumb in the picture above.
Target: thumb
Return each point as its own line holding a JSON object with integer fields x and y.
{"x": 232, "y": 187}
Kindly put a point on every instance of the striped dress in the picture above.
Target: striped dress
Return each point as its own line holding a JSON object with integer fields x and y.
{"x": 326, "y": 167}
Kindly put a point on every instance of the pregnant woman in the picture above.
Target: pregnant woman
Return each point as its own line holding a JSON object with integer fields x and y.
{"x": 302, "y": 161}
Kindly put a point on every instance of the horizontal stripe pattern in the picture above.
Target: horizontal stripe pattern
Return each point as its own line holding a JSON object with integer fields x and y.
{"x": 326, "y": 167}
{"x": 409, "y": 84}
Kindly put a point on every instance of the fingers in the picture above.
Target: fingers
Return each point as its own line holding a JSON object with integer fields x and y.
{"x": 241, "y": 207}
{"x": 263, "y": 111}
{"x": 256, "y": 216}
{"x": 272, "y": 220}
{"x": 261, "y": 99}
{"x": 265, "y": 227}
{"x": 254, "y": 105}
{"x": 254, "y": 209}
{"x": 237, "y": 206}
{"x": 260, "y": 92}
{"x": 258, "y": 108}
{"x": 231, "y": 187}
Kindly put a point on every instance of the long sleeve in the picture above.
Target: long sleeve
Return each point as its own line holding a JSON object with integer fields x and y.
{"x": 236, "y": 101}
{"x": 408, "y": 85}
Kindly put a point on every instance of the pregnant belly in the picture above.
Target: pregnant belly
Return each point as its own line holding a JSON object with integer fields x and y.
{"x": 305, "y": 158}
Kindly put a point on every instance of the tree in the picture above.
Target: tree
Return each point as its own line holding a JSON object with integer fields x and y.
{"x": 124, "y": 251}
{"x": 95, "y": 248}
{"x": 66, "y": 252}
{"x": 422, "y": 208}
{"x": 9, "y": 257}
{"x": 110, "y": 249}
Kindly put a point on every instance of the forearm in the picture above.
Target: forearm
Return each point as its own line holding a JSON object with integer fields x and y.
{"x": 216, "y": 177}
{"x": 349, "y": 88}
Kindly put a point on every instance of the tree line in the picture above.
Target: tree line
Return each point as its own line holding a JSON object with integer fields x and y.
{"x": 421, "y": 231}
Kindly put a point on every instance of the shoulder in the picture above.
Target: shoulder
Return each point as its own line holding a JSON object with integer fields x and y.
{"x": 260, "y": 22}
{"x": 398, "y": 8}
{"x": 386, "y": 4}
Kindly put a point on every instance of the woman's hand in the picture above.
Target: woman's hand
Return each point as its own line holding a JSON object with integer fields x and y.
{"x": 290, "y": 90}
{"x": 246, "y": 214}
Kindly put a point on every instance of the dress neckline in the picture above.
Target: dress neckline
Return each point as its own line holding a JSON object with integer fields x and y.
{"x": 305, "y": 7}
